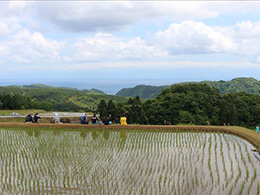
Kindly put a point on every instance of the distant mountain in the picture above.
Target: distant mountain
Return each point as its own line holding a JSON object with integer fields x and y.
{"x": 143, "y": 91}
{"x": 61, "y": 98}
{"x": 247, "y": 85}
{"x": 96, "y": 91}
{"x": 37, "y": 86}
{"x": 41, "y": 86}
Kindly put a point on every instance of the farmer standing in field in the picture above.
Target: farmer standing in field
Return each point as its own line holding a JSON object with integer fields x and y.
{"x": 123, "y": 120}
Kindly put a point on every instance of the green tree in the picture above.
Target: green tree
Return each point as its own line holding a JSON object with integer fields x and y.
{"x": 185, "y": 117}
{"x": 134, "y": 111}
{"x": 102, "y": 108}
{"x": 112, "y": 110}
{"x": 179, "y": 103}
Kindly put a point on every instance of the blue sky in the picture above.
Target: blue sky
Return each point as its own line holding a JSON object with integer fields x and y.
{"x": 111, "y": 44}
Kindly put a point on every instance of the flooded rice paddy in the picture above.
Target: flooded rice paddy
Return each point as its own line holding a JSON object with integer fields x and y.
{"x": 125, "y": 162}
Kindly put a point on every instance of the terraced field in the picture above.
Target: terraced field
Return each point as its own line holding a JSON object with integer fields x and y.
{"x": 125, "y": 162}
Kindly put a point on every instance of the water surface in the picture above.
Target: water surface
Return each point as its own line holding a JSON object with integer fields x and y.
{"x": 125, "y": 162}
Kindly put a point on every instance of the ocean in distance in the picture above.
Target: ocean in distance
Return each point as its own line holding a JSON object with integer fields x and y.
{"x": 109, "y": 86}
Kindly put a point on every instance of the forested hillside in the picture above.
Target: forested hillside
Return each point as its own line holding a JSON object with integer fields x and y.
{"x": 246, "y": 85}
{"x": 52, "y": 98}
{"x": 195, "y": 103}
{"x": 143, "y": 91}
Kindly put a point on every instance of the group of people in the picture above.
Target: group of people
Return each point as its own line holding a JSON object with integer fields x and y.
{"x": 36, "y": 118}
{"x": 32, "y": 119}
{"x": 95, "y": 120}
{"x": 83, "y": 119}
{"x": 106, "y": 120}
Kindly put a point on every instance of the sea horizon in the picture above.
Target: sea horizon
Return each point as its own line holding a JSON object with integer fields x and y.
{"x": 109, "y": 86}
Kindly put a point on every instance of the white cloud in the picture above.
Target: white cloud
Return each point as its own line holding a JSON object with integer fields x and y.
{"x": 17, "y": 6}
{"x": 20, "y": 59}
{"x": 112, "y": 16}
{"x": 10, "y": 9}
{"x": 4, "y": 50}
{"x": 190, "y": 37}
{"x": 4, "y": 29}
{"x": 162, "y": 64}
{"x": 186, "y": 35}
{"x": 109, "y": 16}
{"x": 44, "y": 45}
{"x": 109, "y": 47}
{"x": 246, "y": 35}
{"x": 27, "y": 47}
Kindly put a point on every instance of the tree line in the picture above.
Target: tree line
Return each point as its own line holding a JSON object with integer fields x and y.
{"x": 133, "y": 109}
{"x": 197, "y": 104}
{"x": 14, "y": 101}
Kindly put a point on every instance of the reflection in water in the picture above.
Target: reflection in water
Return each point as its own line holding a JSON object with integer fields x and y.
{"x": 83, "y": 133}
{"x": 122, "y": 142}
{"x": 31, "y": 132}
{"x": 123, "y": 135}
{"x": 106, "y": 134}
{"x": 57, "y": 132}
{"x": 37, "y": 133}
{"x": 94, "y": 135}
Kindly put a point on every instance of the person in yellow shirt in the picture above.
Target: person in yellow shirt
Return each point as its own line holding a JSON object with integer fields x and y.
{"x": 123, "y": 120}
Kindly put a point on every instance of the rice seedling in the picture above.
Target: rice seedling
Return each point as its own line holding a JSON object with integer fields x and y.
{"x": 251, "y": 182}
{"x": 241, "y": 188}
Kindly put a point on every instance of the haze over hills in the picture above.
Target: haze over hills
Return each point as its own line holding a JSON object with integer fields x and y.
{"x": 243, "y": 84}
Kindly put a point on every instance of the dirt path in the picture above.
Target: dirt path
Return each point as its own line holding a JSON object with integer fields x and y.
{"x": 247, "y": 134}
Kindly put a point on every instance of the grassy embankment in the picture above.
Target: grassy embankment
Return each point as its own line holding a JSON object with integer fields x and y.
{"x": 247, "y": 134}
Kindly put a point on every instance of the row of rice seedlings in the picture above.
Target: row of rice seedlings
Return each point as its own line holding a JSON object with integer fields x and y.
{"x": 231, "y": 171}
{"x": 243, "y": 160}
{"x": 239, "y": 169}
{"x": 94, "y": 167}
{"x": 245, "y": 166}
{"x": 252, "y": 165}
{"x": 251, "y": 182}
{"x": 222, "y": 159}
{"x": 258, "y": 188}
{"x": 216, "y": 157}
{"x": 209, "y": 160}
